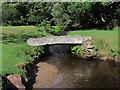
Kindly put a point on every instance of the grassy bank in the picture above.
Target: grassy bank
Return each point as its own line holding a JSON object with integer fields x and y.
{"x": 18, "y": 54}
{"x": 15, "y": 50}
{"x": 13, "y": 54}
{"x": 105, "y": 40}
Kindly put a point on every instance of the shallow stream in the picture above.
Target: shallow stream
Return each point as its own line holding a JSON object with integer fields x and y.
{"x": 72, "y": 72}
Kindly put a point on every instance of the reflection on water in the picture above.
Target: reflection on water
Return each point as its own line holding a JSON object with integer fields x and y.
{"x": 77, "y": 73}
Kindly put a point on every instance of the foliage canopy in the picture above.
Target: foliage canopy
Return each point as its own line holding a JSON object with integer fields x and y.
{"x": 71, "y": 15}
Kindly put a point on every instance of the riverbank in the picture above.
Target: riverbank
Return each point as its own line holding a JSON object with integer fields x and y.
{"x": 46, "y": 73}
{"x": 105, "y": 42}
{"x": 16, "y": 54}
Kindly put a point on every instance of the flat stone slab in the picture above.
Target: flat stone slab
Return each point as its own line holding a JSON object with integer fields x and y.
{"x": 48, "y": 40}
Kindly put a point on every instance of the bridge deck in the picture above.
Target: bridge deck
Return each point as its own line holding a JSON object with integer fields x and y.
{"x": 69, "y": 39}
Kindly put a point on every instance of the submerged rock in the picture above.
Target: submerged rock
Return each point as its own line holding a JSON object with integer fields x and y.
{"x": 6, "y": 84}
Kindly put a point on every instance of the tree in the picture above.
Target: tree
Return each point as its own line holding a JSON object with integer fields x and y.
{"x": 65, "y": 15}
{"x": 60, "y": 15}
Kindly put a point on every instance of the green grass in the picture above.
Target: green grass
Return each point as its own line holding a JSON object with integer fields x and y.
{"x": 17, "y": 29}
{"x": 107, "y": 36}
{"x": 13, "y": 54}
{"x": 23, "y": 30}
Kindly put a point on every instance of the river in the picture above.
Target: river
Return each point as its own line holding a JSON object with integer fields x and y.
{"x": 63, "y": 70}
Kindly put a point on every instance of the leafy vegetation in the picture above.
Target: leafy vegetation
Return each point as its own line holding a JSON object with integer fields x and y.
{"x": 51, "y": 30}
{"x": 71, "y": 15}
{"x": 76, "y": 49}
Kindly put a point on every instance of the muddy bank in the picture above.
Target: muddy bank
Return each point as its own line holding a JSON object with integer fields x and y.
{"x": 46, "y": 73}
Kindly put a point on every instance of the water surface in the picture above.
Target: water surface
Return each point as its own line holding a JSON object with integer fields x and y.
{"x": 74, "y": 72}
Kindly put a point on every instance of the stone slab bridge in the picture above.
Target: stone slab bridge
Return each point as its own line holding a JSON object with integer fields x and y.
{"x": 49, "y": 40}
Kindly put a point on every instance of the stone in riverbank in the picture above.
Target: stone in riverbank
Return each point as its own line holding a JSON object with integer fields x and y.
{"x": 86, "y": 51}
{"x": 88, "y": 45}
{"x": 6, "y": 84}
{"x": 106, "y": 57}
{"x": 16, "y": 81}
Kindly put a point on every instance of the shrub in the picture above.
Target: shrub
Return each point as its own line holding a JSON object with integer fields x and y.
{"x": 36, "y": 52}
{"x": 76, "y": 49}
{"x": 55, "y": 30}
{"x": 114, "y": 52}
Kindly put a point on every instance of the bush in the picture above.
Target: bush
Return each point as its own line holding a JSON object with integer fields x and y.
{"x": 76, "y": 49}
{"x": 9, "y": 15}
{"x": 36, "y": 52}
{"x": 55, "y": 30}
